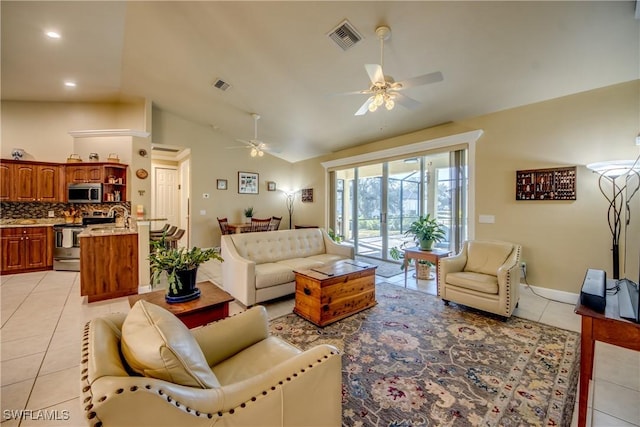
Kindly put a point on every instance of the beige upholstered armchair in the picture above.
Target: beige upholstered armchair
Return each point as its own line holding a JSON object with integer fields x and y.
{"x": 484, "y": 275}
{"x": 147, "y": 369}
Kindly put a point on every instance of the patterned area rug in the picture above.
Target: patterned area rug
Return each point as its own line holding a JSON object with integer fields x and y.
{"x": 412, "y": 361}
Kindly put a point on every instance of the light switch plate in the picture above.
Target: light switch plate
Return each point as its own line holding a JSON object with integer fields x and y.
{"x": 486, "y": 219}
{"x": 51, "y": 214}
{"x": 203, "y": 212}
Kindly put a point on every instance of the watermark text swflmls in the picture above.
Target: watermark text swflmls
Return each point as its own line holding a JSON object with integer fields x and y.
{"x": 36, "y": 414}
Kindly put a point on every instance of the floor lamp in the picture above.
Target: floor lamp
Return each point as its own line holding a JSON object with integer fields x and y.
{"x": 619, "y": 181}
{"x": 289, "y": 201}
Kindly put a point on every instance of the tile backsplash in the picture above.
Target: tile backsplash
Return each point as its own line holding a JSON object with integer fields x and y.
{"x": 40, "y": 210}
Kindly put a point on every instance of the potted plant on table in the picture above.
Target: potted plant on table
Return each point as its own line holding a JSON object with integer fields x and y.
{"x": 248, "y": 214}
{"x": 426, "y": 231}
{"x": 181, "y": 266}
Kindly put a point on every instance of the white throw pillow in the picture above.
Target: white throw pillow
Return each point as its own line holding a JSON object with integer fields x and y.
{"x": 156, "y": 344}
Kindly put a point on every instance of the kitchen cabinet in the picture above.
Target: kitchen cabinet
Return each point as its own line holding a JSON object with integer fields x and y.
{"x": 5, "y": 182}
{"x": 84, "y": 173}
{"x": 108, "y": 266}
{"x": 112, "y": 176}
{"x": 26, "y": 249}
{"x": 24, "y": 181}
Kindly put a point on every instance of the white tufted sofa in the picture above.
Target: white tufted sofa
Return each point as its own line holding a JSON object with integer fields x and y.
{"x": 259, "y": 266}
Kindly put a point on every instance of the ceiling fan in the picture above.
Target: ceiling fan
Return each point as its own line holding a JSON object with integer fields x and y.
{"x": 384, "y": 90}
{"x": 257, "y": 147}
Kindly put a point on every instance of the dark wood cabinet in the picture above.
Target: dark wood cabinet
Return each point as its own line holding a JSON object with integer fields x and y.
{"x": 112, "y": 176}
{"x": 27, "y": 181}
{"x": 24, "y": 181}
{"x": 108, "y": 266}
{"x": 26, "y": 249}
{"x": 84, "y": 173}
{"x": 5, "y": 181}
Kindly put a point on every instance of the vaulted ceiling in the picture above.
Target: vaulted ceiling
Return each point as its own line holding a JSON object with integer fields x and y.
{"x": 280, "y": 63}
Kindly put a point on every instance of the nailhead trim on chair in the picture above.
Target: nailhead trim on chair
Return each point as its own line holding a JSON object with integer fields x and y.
{"x": 89, "y": 398}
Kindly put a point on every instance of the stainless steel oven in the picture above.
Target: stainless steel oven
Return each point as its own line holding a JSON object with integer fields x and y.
{"x": 66, "y": 246}
{"x": 66, "y": 243}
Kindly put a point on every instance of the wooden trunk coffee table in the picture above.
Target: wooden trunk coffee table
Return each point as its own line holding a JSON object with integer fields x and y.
{"x": 212, "y": 305}
{"x": 327, "y": 294}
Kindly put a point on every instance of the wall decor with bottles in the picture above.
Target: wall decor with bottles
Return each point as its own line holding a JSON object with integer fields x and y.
{"x": 546, "y": 184}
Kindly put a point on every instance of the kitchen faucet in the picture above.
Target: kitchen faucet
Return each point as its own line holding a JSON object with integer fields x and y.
{"x": 125, "y": 214}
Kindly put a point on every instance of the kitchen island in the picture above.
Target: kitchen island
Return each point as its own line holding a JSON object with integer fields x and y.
{"x": 108, "y": 262}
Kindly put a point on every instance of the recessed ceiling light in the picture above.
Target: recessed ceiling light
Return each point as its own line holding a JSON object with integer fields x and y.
{"x": 52, "y": 34}
{"x": 70, "y": 84}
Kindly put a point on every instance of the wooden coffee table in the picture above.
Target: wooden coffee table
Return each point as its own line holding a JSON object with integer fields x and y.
{"x": 212, "y": 305}
{"x": 327, "y": 294}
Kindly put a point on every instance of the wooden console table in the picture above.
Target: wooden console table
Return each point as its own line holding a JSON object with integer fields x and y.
{"x": 212, "y": 305}
{"x": 418, "y": 254}
{"x": 608, "y": 328}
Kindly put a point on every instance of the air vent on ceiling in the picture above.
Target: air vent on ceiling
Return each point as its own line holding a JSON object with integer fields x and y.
{"x": 345, "y": 35}
{"x": 170, "y": 150}
{"x": 221, "y": 84}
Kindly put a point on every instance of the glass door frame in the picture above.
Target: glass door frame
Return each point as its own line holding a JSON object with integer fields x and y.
{"x": 466, "y": 139}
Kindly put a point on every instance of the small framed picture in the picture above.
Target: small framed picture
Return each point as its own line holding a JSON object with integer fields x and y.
{"x": 271, "y": 186}
{"x": 247, "y": 183}
{"x": 221, "y": 184}
{"x": 307, "y": 195}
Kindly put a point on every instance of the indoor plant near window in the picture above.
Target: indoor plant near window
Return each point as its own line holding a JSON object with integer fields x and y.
{"x": 248, "y": 214}
{"x": 426, "y": 231}
{"x": 181, "y": 266}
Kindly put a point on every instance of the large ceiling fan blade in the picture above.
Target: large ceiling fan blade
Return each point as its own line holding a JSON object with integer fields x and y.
{"x": 375, "y": 73}
{"x": 405, "y": 101}
{"x": 419, "y": 80}
{"x": 364, "y": 108}
{"x": 354, "y": 92}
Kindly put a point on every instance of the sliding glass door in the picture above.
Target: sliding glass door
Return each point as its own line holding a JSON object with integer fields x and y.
{"x": 374, "y": 204}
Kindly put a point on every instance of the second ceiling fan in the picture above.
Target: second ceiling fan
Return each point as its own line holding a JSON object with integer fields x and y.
{"x": 384, "y": 90}
{"x": 257, "y": 147}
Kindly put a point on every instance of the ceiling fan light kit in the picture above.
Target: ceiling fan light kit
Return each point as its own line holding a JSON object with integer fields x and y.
{"x": 257, "y": 148}
{"x": 384, "y": 90}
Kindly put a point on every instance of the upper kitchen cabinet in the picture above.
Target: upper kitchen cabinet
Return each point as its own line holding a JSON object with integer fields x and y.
{"x": 24, "y": 181}
{"x": 84, "y": 173}
{"x": 112, "y": 176}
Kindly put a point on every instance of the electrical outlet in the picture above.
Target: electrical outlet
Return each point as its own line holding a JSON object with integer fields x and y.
{"x": 51, "y": 214}
{"x": 523, "y": 269}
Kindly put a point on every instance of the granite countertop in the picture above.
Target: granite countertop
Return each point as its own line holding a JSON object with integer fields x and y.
{"x": 105, "y": 230}
{"x": 30, "y": 222}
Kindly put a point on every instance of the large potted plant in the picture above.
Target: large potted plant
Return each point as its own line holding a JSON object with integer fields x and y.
{"x": 426, "y": 232}
{"x": 181, "y": 268}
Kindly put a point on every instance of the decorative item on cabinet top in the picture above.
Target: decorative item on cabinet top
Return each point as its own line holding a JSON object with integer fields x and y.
{"x": 546, "y": 184}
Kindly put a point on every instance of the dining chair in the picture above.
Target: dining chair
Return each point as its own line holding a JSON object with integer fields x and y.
{"x": 258, "y": 224}
{"x": 224, "y": 225}
{"x": 275, "y": 223}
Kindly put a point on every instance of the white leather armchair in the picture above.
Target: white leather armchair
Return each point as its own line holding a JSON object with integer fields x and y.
{"x": 484, "y": 275}
{"x": 133, "y": 373}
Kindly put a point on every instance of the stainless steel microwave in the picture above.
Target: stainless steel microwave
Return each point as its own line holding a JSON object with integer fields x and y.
{"x": 84, "y": 193}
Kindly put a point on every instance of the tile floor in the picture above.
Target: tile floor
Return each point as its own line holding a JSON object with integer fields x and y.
{"x": 42, "y": 317}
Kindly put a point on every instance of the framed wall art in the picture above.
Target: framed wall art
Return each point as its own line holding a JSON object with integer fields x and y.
{"x": 307, "y": 195}
{"x": 271, "y": 186}
{"x": 221, "y": 184}
{"x": 247, "y": 183}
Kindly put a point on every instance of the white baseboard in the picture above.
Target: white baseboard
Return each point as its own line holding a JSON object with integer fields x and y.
{"x": 562, "y": 296}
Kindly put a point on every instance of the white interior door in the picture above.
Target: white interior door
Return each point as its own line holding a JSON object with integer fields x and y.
{"x": 166, "y": 203}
